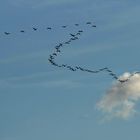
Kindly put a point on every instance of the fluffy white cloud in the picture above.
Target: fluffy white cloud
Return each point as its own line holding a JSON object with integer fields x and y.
{"x": 120, "y": 100}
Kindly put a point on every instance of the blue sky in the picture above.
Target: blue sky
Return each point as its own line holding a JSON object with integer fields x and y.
{"x": 39, "y": 101}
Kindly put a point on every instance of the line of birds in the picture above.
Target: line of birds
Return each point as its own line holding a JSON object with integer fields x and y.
{"x": 50, "y": 28}
{"x": 75, "y": 68}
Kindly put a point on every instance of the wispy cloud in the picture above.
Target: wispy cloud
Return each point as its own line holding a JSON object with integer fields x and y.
{"x": 120, "y": 100}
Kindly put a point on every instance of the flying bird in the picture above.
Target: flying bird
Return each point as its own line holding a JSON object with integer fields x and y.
{"x": 72, "y": 35}
{"x": 64, "y": 26}
{"x": 80, "y": 31}
{"x": 76, "y": 24}
{"x": 49, "y": 28}
{"x": 93, "y": 25}
{"x": 63, "y": 65}
{"x": 73, "y": 38}
{"x": 112, "y": 74}
{"x": 123, "y": 81}
{"x": 108, "y": 70}
{"x": 51, "y": 57}
{"x": 77, "y": 67}
{"x": 67, "y": 42}
{"x": 22, "y": 31}
{"x": 88, "y": 23}
{"x": 34, "y": 28}
{"x": 60, "y": 44}
{"x": 7, "y": 33}
{"x": 78, "y": 34}
{"x": 54, "y": 54}
{"x": 58, "y": 50}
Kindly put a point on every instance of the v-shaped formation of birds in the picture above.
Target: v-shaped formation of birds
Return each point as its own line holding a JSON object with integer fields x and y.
{"x": 73, "y": 37}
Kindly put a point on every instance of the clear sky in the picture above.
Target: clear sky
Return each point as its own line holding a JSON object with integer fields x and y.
{"x": 40, "y": 101}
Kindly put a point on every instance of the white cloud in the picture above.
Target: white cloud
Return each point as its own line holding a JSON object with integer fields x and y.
{"x": 120, "y": 100}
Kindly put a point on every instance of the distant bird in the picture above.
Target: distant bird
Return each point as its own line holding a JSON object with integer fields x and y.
{"x": 63, "y": 65}
{"x": 34, "y": 28}
{"x": 64, "y": 26}
{"x": 88, "y": 23}
{"x": 115, "y": 77}
{"x": 80, "y": 31}
{"x": 76, "y": 38}
{"x": 78, "y": 34}
{"x": 73, "y": 38}
{"x": 60, "y": 44}
{"x": 73, "y": 69}
{"x": 76, "y": 24}
{"x": 70, "y": 68}
{"x": 77, "y": 67}
{"x": 123, "y": 81}
{"x": 7, "y": 33}
{"x": 57, "y": 47}
{"x": 50, "y": 60}
{"x": 108, "y": 70}
{"x": 89, "y": 70}
{"x": 103, "y": 69}
{"x": 22, "y": 31}
{"x": 54, "y": 54}
{"x": 49, "y": 28}
{"x": 67, "y": 42}
{"x": 95, "y": 71}
{"x": 112, "y": 74}
{"x": 58, "y": 51}
{"x": 51, "y": 57}
{"x": 93, "y": 25}
{"x": 137, "y": 72}
{"x": 72, "y": 35}
{"x": 81, "y": 69}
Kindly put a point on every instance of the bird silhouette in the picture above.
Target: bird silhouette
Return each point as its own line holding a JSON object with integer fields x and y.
{"x": 76, "y": 67}
{"x": 64, "y": 26}
{"x": 108, "y": 70}
{"x": 93, "y": 25}
{"x": 7, "y": 33}
{"x": 80, "y": 31}
{"x": 51, "y": 57}
{"x": 63, "y": 65}
{"x": 123, "y": 81}
{"x": 112, "y": 74}
{"x": 67, "y": 42}
{"x": 58, "y": 50}
{"x": 76, "y": 24}
{"x": 35, "y": 29}
{"x": 60, "y": 45}
{"x": 82, "y": 69}
{"x": 22, "y": 31}
{"x": 88, "y": 23}
{"x": 72, "y": 35}
{"x": 54, "y": 54}
{"x": 49, "y": 28}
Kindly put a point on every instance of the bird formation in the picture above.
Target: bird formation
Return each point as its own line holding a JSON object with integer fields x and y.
{"x": 73, "y": 37}
{"x": 76, "y": 36}
{"x": 49, "y": 28}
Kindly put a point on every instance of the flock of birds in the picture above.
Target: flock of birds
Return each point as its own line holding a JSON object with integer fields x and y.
{"x": 47, "y": 28}
{"x": 76, "y": 36}
{"x": 72, "y": 38}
